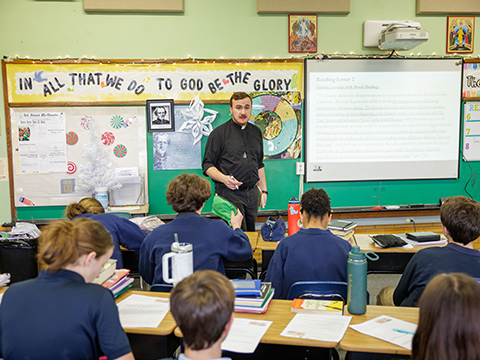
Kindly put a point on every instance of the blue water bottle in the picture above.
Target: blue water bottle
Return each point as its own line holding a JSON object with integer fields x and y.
{"x": 357, "y": 280}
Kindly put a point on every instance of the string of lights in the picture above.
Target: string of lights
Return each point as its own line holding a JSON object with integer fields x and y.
{"x": 239, "y": 61}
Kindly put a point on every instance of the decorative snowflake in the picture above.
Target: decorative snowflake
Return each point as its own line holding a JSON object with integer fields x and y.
{"x": 194, "y": 123}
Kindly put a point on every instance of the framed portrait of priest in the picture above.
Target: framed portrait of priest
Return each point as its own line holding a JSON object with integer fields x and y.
{"x": 160, "y": 115}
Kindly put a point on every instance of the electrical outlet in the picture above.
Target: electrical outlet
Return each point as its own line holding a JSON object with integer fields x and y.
{"x": 300, "y": 168}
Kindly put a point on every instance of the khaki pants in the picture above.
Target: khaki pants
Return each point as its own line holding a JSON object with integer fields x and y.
{"x": 385, "y": 296}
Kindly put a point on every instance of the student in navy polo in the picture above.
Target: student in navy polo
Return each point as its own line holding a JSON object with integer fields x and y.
{"x": 60, "y": 315}
{"x": 313, "y": 253}
{"x": 123, "y": 231}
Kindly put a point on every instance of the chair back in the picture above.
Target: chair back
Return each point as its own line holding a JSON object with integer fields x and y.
{"x": 161, "y": 288}
{"x": 122, "y": 214}
{"x": 331, "y": 290}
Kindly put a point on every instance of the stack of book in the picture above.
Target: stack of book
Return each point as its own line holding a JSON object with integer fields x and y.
{"x": 119, "y": 282}
{"x": 252, "y": 296}
{"x": 343, "y": 229}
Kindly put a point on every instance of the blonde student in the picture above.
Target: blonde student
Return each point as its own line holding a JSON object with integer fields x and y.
{"x": 60, "y": 314}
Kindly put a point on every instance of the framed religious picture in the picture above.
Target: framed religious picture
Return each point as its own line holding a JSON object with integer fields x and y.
{"x": 160, "y": 115}
{"x": 460, "y": 30}
{"x": 302, "y": 34}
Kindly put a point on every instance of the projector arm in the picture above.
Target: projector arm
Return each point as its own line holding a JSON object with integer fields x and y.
{"x": 400, "y": 25}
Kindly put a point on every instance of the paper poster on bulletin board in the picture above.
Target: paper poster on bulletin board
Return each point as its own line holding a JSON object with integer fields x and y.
{"x": 471, "y": 131}
{"x": 47, "y": 153}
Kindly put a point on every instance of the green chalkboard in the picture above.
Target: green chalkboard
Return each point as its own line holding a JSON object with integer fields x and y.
{"x": 283, "y": 184}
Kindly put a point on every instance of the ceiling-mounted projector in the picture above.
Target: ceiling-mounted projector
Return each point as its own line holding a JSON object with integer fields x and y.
{"x": 402, "y": 36}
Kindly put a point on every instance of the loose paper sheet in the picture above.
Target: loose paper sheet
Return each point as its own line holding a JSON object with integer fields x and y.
{"x": 389, "y": 329}
{"x": 317, "y": 327}
{"x": 245, "y": 335}
{"x": 142, "y": 311}
{"x": 41, "y": 142}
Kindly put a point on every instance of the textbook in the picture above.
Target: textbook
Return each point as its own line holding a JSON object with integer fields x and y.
{"x": 256, "y": 309}
{"x": 117, "y": 288}
{"x": 107, "y": 271}
{"x": 247, "y": 287}
{"x": 342, "y": 225}
{"x": 119, "y": 275}
{"x": 313, "y": 306}
{"x": 422, "y": 236}
{"x": 254, "y": 300}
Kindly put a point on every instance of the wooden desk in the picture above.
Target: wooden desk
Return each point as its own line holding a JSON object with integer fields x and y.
{"x": 128, "y": 209}
{"x": 391, "y": 260}
{"x": 148, "y": 343}
{"x": 279, "y": 313}
{"x": 167, "y": 325}
{"x": 274, "y": 346}
{"x": 357, "y": 342}
{"x": 366, "y": 244}
{"x": 253, "y": 237}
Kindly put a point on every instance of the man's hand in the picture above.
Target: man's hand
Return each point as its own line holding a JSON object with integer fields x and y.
{"x": 236, "y": 220}
{"x": 231, "y": 183}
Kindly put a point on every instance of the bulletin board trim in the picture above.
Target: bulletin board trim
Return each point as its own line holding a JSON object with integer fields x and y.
{"x": 9, "y": 142}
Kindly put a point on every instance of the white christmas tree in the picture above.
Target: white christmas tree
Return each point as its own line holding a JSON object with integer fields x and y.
{"x": 97, "y": 171}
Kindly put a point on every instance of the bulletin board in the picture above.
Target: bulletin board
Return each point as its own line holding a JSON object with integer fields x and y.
{"x": 120, "y": 129}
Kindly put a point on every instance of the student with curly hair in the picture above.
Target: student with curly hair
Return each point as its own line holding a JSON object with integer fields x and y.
{"x": 313, "y": 253}
{"x": 212, "y": 240}
{"x": 448, "y": 326}
{"x": 60, "y": 315}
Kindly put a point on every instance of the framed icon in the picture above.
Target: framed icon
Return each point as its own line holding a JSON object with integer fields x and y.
{"x": 302, "y": 34}
{"x": 160, "y": 115}
{"x": 460, "y": 30}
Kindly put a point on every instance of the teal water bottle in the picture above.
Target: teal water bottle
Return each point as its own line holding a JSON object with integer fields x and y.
{"x": 357, "y": 280}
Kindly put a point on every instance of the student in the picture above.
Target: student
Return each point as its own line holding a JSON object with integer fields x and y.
{"x": 212, "y": 240}
{"x": 313, "y": 253}
{"x": 460, "y": 219}
{"x": 59, "y": 315}
{"x": 202, "y": 306}
{"x": 448, "y": 326}
{"x": 123, "y": 231}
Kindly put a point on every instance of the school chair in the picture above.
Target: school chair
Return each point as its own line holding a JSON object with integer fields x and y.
{"x": 240, "y": 270}
{"x": 122, "y": 214}
{"x": 332, "y": 290}
{"x": 161, "y": 287}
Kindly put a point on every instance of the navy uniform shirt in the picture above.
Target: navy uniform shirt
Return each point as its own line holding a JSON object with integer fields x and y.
{"x": 212, "y": 240}
{"x": 309, "y": 255}
{"x": 123, "y": 231}
{"x": 236, "y": 152}
{"x": 428, "y": 263}
{"x": 60, "y": 316}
